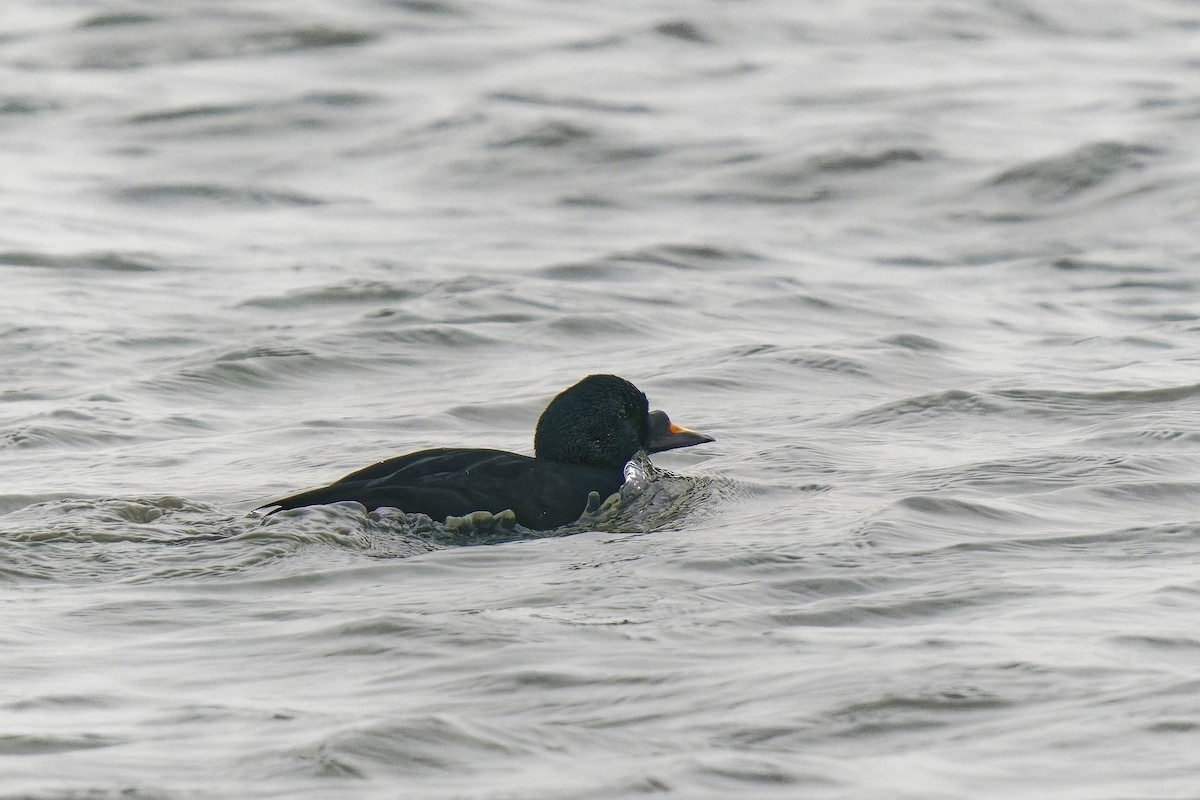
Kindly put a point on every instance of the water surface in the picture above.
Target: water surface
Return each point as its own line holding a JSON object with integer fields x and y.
{"x": 928, "y": 274}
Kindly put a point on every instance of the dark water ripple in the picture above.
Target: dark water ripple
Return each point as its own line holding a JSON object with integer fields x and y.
{"x": 1060, "y": 177}
{"x": 204, "y": 193}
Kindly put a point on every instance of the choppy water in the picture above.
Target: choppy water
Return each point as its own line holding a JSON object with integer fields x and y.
{"x": 927, "y": 271}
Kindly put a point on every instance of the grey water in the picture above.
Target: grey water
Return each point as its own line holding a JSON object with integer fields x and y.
{"x": 929, "y": 272}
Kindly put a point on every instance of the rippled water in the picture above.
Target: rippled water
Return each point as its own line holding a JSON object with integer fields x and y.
{"x": 927, "y": 271}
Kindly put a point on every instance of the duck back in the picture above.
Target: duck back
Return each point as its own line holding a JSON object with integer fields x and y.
{"x": 449, "y": 482}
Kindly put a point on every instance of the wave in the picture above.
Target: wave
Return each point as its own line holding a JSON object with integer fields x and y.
{"x": 156, "y": 194}
{"x": 1064, "y": 176}
{"x": 137, "y": 539}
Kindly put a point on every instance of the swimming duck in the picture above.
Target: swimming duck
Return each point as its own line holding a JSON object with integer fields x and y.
{"x": 584, "y": 439}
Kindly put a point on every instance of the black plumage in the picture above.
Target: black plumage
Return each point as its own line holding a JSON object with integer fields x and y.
{"x": 583, "y": 440}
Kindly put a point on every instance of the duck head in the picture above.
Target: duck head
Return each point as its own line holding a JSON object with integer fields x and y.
{"x": 603, "y": 421}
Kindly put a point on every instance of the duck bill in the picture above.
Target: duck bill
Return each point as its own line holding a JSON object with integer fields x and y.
{"x": 666, "y": 435}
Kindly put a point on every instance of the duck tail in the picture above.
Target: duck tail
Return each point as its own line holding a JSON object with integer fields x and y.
{"x": 313, "y": 497}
